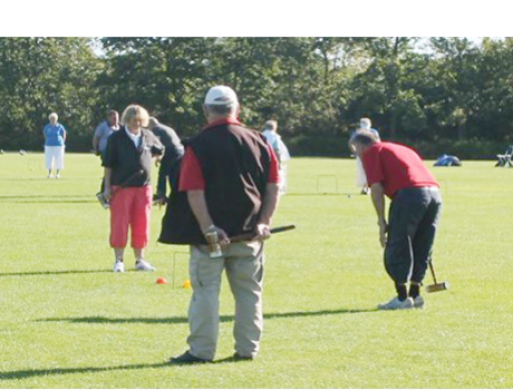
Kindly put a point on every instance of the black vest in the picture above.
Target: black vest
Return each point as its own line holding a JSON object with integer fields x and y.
{"x": 235, "y": 162}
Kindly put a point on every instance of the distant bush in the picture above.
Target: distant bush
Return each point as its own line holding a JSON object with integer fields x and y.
{"x": 465, "y": 149}
{"x": 325, "y": 146}
{"x": 336, "y": 146}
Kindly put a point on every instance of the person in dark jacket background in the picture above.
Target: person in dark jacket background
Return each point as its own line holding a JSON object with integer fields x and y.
{"x": 174, "y": 151}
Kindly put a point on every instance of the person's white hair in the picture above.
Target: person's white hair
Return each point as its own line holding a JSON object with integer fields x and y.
{"x": 135, "y": 111}
{"x": 54, "y": 116}
{"x": 271, "y": 125}
{"x": 365, "y": 123}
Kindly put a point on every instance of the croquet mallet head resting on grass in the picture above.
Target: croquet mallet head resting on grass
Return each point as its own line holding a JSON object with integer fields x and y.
{"x": 435, "y": 287}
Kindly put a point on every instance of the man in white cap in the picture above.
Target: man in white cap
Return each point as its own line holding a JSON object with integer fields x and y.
{"x": 230, "y": 176}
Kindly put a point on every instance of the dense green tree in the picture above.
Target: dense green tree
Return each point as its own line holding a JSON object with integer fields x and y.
{"x": 316, "y": 87}
{"x": 41, "y": 75}
{"x": 384, "y": 90}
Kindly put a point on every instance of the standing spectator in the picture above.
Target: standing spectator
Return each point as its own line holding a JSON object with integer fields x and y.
{"x": 361, "y": 179}
{"x": 174, "y": 151}
{"x": 270, "y": 133}
{"x": 230, "y": 176}
{"x": 55, "y": 138}
{"x": 128, "y": 161}
{"x": 102, "y": 133}
{"x": 398, "y": 172}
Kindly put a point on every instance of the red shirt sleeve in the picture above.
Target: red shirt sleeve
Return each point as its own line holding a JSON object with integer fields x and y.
{"x": 372, "y": 166}
{"x": 191, "y": 175}
{"x": 274, "y": 171}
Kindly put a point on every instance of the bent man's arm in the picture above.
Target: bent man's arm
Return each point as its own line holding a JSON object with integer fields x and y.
{"x": 378, "y": 199}
{"x": 269, "y": 206}
{"x": 107, "y": 189}
{"x": 95, "y": 144}
{"x": 199, "y": 208}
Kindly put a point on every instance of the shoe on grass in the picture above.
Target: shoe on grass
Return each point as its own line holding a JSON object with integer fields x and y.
{"x": 142, "y": 265}
{"x": 418, "y": 302}
{"x": 159, "y": 199}
{"x": 238, "y": 357}
{"x": 396, "y": 304}
{"x": 187, "y": 358}
{"x": 119, "y": 266}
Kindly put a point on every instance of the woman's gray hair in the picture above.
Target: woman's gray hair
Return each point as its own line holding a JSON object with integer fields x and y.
{"x": 271, "y": 125}
{"x": 135, "y": 111}
{"x": 53, "y": 115}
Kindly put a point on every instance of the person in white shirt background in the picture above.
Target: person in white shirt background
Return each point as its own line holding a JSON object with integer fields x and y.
{"x": 361, "y": 178}
{"x": 270, "y": 133}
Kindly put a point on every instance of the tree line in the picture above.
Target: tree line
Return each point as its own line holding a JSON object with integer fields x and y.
{"x": 452, "y": 92}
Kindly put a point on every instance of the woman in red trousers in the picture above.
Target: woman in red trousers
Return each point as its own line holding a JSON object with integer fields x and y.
{"x": 128, "y": 162}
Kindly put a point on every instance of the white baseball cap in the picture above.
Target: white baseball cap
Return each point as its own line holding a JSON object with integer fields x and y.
{"x": 221, "y": 95}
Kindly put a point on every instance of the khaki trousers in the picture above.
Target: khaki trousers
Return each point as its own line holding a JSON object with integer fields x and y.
{"x": 244, "y": 265}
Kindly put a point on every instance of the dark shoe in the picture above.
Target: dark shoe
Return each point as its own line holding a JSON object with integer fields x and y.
{"x": 187, "y": 358}
{"x": 159, "y": 199}
{"x": 236, "y": 356}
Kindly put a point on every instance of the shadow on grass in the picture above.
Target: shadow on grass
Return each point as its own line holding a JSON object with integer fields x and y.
{"x": 23, "y": 374}
{"x": 47, "y": 199}
{"x": 14, "y": 197}
{"x": 315, "y": 194}
{"x": 183, "y": 320}
{"x": 64, "y": 272}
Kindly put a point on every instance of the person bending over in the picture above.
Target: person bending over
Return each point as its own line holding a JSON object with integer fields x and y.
{"x": 399, "y": 173}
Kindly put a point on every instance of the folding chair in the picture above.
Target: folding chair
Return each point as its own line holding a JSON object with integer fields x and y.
{"x": 504, "y": 160}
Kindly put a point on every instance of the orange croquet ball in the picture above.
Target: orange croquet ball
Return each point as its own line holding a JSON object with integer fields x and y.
{"x": 161, "y": 281}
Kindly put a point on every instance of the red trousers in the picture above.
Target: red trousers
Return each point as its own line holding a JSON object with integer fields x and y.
{"x": 130, "y": 206}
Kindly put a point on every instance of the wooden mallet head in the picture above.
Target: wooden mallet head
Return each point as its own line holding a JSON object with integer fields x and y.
{"x": 437, "y": 287}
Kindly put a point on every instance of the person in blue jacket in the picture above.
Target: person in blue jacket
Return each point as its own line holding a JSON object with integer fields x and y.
{"x": 55, "y": 138}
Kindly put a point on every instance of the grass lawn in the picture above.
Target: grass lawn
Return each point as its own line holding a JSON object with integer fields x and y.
{"x": 67, "y": 321}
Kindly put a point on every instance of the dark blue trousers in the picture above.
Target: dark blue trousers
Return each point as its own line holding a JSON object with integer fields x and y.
{"x": 412, "y": 222}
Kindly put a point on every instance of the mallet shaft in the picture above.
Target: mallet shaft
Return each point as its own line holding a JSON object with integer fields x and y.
{"x": 432, "y": 269}
{"x": 249, "y": 236}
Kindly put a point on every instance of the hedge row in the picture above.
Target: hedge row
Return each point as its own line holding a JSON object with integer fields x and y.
{"x": 336, "y": 146}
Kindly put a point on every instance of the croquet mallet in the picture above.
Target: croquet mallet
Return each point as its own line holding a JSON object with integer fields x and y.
{"x": 249, "y": 236}
{"x": 436, "y": 286}
{"x": 101, "y": 196}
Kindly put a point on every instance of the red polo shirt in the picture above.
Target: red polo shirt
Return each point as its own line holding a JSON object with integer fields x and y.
{"x": 191, "y": 175}
{"x": 396, "y": 167}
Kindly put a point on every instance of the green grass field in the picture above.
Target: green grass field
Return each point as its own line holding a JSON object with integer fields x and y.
{"x": 67, "y": 321}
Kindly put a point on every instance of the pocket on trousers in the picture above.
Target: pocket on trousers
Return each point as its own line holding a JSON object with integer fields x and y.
{"x": 203, "y": 270}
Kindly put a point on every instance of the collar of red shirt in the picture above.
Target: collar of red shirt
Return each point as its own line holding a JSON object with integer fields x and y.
{"x": 223, "y": 121}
